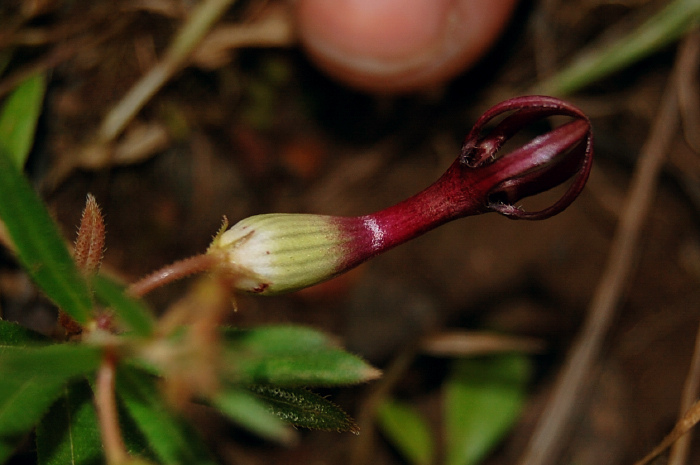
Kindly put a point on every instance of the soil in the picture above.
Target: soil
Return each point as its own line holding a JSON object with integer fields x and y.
{"x": 265, "y": 131}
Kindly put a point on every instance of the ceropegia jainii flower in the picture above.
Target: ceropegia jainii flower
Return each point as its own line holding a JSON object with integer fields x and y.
{"x": 275, "y": 253}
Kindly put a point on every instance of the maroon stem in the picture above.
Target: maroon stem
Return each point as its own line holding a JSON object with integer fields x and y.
{"x": 458, "y": 193}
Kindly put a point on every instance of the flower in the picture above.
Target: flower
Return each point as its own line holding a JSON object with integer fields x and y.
{"x": 277, "y": 253}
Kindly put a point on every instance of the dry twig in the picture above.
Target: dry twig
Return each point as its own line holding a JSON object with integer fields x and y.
{"x": 362, "y": 451}
{"x": 547, "y": 442}
{"x": 689, "y": 420}
{"x": 191, "y": 34}
{"x": 680, "y": 449}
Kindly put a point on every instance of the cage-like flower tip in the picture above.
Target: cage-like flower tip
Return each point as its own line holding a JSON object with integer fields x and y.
{"x": 276, "y": 253}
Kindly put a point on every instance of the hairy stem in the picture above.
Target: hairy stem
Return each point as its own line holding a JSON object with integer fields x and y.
{"x": 171, "y": 273}
{"x": 106, "y": 405}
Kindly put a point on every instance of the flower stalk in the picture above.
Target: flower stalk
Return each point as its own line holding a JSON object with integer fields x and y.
{"x": 277, "y": 253}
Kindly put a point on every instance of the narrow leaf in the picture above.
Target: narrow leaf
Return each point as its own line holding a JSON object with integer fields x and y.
{"x": 39, "y": 245}
{"x": 407, "y": 431}
{"x": 32, "y": 379}
{"x": 482, "y": 400}
{"x": 130, "y": 311}
{"x": 663, "y": 28}
{"x": 172, "y": 440}
{"x": 305, "y": 409}
{"x": 324, "y": 367}
{"x": 22, "y": 404}
{"x": 279, "y": 339}
{"x": 292, "y": 356}
{"x": 56, "y": 360}
{"x": 14, "y": 334}
{"x": 19, "y": 117}
{"x": 69, "y": 433}
{"x": 247, "y": 411}
{"x": 5, "y": 57}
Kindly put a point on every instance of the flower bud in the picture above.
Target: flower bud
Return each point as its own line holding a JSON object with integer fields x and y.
{"x": 274, "y": 253}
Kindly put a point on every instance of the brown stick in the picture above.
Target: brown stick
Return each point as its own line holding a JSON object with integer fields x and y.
{"x": 547, "y": 442}
{"x": 690, "y": 419}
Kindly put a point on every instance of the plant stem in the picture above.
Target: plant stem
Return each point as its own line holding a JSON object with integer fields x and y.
{"x": 106, "y": 405}
{"x": 171, "y": 273}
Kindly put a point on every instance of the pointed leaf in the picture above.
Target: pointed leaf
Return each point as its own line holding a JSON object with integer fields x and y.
{"x": 131, "y": 311}
{"x": 172, "y": 440}
{"x": 407, "y": 431}
{"x": 14, "y": 334}
{"x": 305, "y": 409}
{"x": 281, "y": 339}
{"x": 482, "y": 400}
{"x": 19, "y": 118}
{"x": 325, "y": 367}
{"x": 39, "y": 245}
{"x": 247, "y": 411}
{"x": 69, "y": 433}
{"x": 670, "y": 23}
{"x": 292, "y": 356}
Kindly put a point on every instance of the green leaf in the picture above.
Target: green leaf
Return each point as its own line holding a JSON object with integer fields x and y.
{"x": 129, "y": 310}
{"x": 39, "y": 245}
{"x": 247, "y": 411}
{"x": 665, "y": 27}
{"x": 280, "y": 339}
{"x": 5, "y": 57}
{"x": 483, "y": 398}
{"x": 19, "y": 117}
{"x": 292, "y": 356}
{"x": 170, "y": 437}
{"x": 22, "y": 404}
{"x": 407, "y": 431}
{"x": 305, "y": 409}
{"x": 14, "y": 334}
{"x": 32, "y": 379}
{"x": 70, "y": 433}
{"x": 56, "y": 360}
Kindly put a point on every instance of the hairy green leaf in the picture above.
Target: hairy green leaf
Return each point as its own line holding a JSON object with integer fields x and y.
{"x": 482, "y": 399}
{"x": 19, "y": 117}
{"x": 407, "y": 431}
{"x": 292, "y": 356}
{"x": 247, "y": 411}
{"x": 130, "y": 311}
{"x": 69, "y": 433}
{"x": 305, "y": 409}
{"x": 172, "y": 440}
{"x": 14, "y": 334}
{"x": 329, "y": 367}
{"x": 39, "y": 245}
